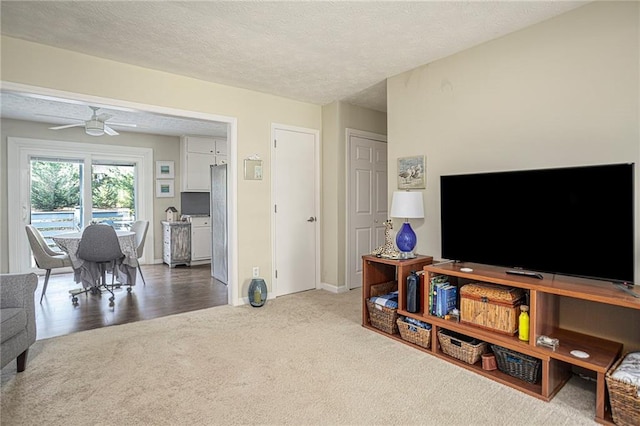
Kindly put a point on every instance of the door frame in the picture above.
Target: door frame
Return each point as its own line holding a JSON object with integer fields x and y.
{"x": 316, "y": 137}
{"x": 233, "y": 287}
{"x": 347, "y": 241}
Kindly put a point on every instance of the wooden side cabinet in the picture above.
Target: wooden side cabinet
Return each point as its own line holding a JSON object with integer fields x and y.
{"x": 176, "y": 243}
{"x": 377, "y": 270}
{"x": 543, "y": 297}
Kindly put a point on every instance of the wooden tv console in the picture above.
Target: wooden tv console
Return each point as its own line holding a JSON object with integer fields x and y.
{"x": 543, "y": 298}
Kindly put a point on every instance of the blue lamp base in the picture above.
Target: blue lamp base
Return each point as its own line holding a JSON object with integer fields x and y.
{"x": 406, "y": 241}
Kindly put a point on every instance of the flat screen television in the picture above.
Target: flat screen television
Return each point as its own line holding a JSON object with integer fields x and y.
{"x": 575, "y": 221}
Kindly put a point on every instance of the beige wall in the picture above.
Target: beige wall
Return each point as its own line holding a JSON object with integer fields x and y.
{"x": 164, "y": 148}
{"x": 561, "y": 93}
{"x": 38, "y": 65}
{"x": 336, "y": 118}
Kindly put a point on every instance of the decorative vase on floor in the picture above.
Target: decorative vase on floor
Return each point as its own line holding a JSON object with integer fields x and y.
{"x": 257, "y": 292}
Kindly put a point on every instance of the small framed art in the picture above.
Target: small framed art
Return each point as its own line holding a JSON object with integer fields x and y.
{"x": 164, "y": 188}
{"x": 253, "y": 169}
{"x": 412, "y": 172}
{"x": 165, "y": 170}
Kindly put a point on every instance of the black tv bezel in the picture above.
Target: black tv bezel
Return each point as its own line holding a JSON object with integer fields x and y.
{"x": 626, "y": 169}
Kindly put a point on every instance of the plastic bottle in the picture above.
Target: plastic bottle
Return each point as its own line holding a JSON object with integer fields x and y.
{"x": 523, "y": 323}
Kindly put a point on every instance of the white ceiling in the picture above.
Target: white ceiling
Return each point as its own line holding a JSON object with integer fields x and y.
{"x": 316, "y": 52}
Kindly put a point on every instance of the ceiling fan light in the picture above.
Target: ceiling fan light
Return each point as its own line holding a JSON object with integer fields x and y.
{"x": 94, "y": 128}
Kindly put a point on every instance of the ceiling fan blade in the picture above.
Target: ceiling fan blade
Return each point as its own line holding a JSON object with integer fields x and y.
{"x": 58, "y": 116}
{"x": 111, "y": 123}
{"x": 66, "y": 126}
{"x": 104, "y": 117}
{"x": 108, "y": 130}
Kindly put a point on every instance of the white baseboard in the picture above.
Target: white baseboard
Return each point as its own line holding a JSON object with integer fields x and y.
{"x": 193, "y": 263}
{"x": 332, "y": 288}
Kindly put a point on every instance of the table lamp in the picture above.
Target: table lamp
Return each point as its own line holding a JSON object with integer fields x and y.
{"x": 407, "y": 205}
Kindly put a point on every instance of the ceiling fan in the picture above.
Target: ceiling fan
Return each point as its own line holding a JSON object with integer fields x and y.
{"x": 94, "y": 126}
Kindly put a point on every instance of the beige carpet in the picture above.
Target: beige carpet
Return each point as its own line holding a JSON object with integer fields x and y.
{"x": 300, "y": 359}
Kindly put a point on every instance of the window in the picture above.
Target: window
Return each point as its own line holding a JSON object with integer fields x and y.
{"x": 50, "y": 187}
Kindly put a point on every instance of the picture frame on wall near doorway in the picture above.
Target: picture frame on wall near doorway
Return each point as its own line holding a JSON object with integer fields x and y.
{"x": 164, "y": 188}
{"x": 412, "y": 172}
{"x": 165, "y": 170}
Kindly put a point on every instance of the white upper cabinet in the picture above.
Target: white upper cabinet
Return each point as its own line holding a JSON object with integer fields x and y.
{"x": 197, "y": 154}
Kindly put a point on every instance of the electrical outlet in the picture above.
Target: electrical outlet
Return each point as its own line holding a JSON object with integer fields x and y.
{"x": 256, "y": 272}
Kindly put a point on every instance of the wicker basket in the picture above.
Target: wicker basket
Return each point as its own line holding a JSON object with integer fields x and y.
{"x": 518, "y": 365}
{"x": 383, "y": 288}
{"x": 461, "y": 347}
{"x": 383, "y": 318}
{"x": 625, "y": 401}
{"x": 416, "y": 335}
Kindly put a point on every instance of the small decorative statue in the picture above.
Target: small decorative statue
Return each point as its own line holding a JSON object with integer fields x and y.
{"x": 387, "y": 249}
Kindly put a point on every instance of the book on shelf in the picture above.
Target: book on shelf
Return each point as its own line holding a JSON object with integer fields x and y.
{"x": 435, "y": 283}
{"x": 447, "y": 299}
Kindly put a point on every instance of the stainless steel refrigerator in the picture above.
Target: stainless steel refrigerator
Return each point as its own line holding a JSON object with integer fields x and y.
{"x": 219, "y": 255}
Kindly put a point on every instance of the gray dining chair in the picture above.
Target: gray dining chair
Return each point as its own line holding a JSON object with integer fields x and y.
{"x": 140, "y": 227}
{"x": 45, "y": 258}
{"x": 99, "y": 244}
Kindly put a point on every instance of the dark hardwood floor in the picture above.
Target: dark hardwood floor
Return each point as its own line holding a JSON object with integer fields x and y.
{"x": 168, "y": 291}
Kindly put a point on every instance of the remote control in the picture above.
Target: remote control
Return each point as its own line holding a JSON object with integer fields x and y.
{"x": 525, "y": 274}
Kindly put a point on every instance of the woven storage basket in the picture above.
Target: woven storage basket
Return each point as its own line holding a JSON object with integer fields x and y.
{"x": 490, "y": 306}
{"x": 461, "y": 347}
{"x": 518, "y": 365}
{"x": 383, "y": 288}
{"x": 416, "y": 335}
{"x": 381, "y": 317}
{"x": 625, "y": 401}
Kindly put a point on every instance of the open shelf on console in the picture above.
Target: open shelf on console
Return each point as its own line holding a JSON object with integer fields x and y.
{"x": 545, "y": 298}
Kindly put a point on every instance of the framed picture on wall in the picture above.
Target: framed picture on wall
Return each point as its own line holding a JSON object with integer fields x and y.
{"x": 165, "y": 170}
{"x": 164, "y": 188}
{"x": 412, "y": 172}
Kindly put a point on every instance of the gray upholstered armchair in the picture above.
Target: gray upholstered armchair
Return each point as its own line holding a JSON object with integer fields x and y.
{"x": 17, "y": 317}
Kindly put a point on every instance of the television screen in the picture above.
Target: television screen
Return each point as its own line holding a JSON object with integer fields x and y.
{"x": 573, "y": 221}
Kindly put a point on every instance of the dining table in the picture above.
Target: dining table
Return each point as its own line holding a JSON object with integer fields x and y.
{"x": 88, "y": 272}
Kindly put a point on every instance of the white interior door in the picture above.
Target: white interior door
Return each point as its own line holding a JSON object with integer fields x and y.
{"x": 367, "y": 200}
{"x": 296, "y": 201}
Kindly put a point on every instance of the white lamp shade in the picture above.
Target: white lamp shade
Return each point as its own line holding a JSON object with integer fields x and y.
{"x": 408, "y": 205}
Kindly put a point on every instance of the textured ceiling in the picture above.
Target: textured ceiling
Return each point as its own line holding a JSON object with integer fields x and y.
{"x": 315, "y": 52}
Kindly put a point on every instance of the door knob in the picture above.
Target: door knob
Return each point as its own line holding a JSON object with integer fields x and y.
{"x": 311, "y": 219}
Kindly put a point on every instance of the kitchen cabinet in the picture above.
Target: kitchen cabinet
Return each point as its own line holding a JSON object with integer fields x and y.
{"x": 200, "y": 239}
{"x": 197, "y": 155}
